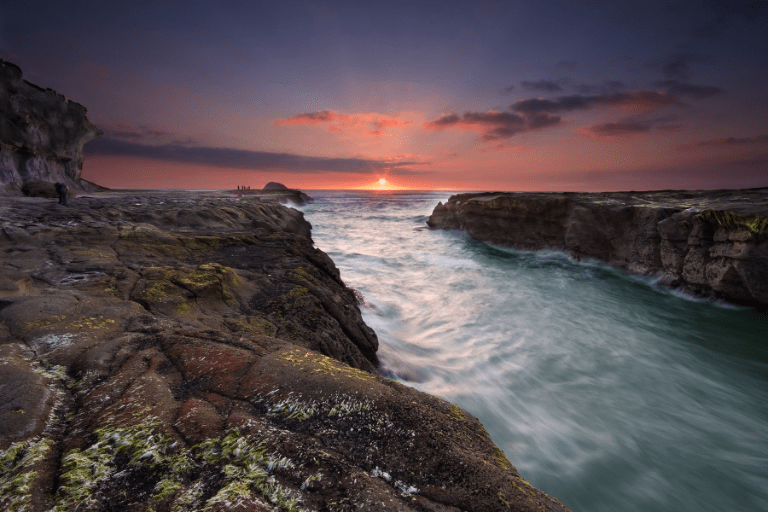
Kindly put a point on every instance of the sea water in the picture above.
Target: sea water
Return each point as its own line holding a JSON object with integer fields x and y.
{"x": 604, "y": 390}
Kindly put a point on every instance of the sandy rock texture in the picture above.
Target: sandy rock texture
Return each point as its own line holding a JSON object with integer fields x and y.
{"x": 709, "y": 243}
{"x": 41, "y": 134}
{"x": 184, "y": 352}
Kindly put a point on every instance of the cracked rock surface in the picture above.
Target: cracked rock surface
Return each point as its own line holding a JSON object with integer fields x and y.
{"x": 179, "y": 352}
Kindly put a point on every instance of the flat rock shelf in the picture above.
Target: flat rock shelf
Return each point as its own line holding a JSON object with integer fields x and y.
{"x": 194, "y": 351}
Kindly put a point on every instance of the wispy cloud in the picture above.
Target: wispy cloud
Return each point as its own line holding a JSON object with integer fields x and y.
{"x": 735, "y": 141}
{"x": 494, "y": 125}
{"x": 632, "y": 101}
{"x": 699, "y": 92}
{"x": 246, "y": 159}
{"x": 368, "y": 124}
{"x": 541, "y": 85}
{"x": 620, "y": 130}
{"x": 144, "y": 134}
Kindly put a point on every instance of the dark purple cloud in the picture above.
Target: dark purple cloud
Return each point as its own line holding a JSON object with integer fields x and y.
{"x": 541, "y": 85}
{"x": 633, "y": 100}
{"x": 145, "y": 135}
{"x": 243, "y": 158}
{"x": 698, "y": 92}
{"x": 615, "y": 129}
{"x": 736, "y": 141}
{"x": 729, "y": 15}
{"x": 494, "y": 125}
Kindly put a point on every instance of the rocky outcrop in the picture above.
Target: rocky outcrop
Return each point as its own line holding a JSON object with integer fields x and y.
{"x": 710, "y": 243}
{"x": 278, "y": 192}
{"x": 184, "y": 352}
{"x": 41, "y": 134}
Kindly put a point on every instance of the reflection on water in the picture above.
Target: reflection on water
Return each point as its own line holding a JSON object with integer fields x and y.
{"x": 604, "y": 390}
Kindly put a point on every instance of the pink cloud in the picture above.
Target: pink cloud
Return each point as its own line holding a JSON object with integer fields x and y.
{"x": 370, "y": 124}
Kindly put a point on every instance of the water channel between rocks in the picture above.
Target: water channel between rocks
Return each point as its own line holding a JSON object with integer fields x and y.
{"x": 605, "y": 390}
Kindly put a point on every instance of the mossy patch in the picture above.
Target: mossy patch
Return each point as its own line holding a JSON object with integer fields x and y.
{"x": 92, "y": 322}
{"x": 45, "y": 322}
{"x": 752, "y": 223}
{"x": 228, "y": 472}
{"x": 254, "y": 326}
{"x": 95, "y": 254}
{"x": 304, "y": 276}
{"x": 318, "y": 363}
{"x": 17, "y": 472}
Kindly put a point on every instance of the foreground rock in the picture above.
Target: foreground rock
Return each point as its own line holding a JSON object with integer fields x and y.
{"x": 41, "y": 135}
{"x": 175, "y": 352}
{"x": 710, "y": 243}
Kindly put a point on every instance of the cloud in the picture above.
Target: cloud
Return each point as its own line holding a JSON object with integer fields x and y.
{"x": 676, "y": 66}
{"x": 144, "y": 134}
{"x": 245, "y": 159}
{"x": 698, "y": 92}
{"x": 632, "y": 101}
{"x": 371, "y": 124}
{"x": 756, "y": 161}
{"x": 539, "y": 113}
{"x": 735, "y": 141}
{"x": 493, "y": 125}
{"x": 322, "y": 116}
{"x": 621, "y": 129}
{"x": 728, "y": 15}
{"x": 541, "y": 85}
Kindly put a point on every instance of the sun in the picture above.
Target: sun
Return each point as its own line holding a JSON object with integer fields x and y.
{"x": 382, "y": 181}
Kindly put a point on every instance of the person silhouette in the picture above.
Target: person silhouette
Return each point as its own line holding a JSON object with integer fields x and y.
{"x": 61, "y": 190}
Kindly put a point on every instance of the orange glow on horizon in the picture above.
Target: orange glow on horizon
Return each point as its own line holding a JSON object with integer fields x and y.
{"x": 381, "y": 184}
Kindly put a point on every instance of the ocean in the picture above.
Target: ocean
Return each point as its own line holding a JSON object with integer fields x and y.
{"x": 605, "y": 390}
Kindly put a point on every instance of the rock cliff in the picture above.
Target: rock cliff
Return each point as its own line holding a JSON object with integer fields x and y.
{"x": 185, "y": 352}
{"x": 41, "y": 135}
{"x": 710, "y": 243}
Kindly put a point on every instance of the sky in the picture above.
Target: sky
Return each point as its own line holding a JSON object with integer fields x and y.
{"x": 586, "y": 95}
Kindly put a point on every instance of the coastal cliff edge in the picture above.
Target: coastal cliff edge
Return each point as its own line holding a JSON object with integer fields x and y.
{"x": 708, "y": 243}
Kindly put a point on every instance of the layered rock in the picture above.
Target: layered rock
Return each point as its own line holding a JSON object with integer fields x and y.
{"x": 41, "y": 134}
{"x": 710, "y": 243}
{"x": 196, "y": 352}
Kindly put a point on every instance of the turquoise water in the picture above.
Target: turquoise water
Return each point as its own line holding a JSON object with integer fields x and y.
{"x": 603, "y": 389}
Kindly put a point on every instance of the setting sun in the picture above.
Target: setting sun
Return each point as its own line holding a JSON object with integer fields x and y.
{"x": 382, "y": 181}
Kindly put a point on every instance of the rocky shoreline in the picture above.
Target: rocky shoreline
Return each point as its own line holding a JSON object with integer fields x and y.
{"x": 175, "y": 351}
{"x": 708, "y": 243}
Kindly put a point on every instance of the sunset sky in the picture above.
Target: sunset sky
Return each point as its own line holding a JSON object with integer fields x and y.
{"x": 476, "y": 95}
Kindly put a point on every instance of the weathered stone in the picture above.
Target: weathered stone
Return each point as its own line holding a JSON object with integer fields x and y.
{"x": 41, "y": 137}
{"x": 709, "y": 243}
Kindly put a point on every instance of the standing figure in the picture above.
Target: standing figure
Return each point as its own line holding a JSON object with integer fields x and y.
{"x": 61, "y": 190}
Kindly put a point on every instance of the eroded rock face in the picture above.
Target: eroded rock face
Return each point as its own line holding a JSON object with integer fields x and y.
{"x": 185, "y": 352}
{"x": 41, "y": 134}
{"x": 710, "y": 243}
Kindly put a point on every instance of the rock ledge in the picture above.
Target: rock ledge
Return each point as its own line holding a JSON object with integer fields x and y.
{"x": 709, "y": 243}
